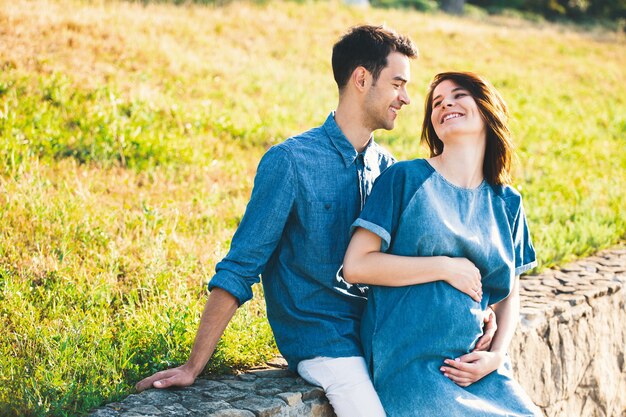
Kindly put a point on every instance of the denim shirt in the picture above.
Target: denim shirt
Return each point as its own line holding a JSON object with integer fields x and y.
{"x": 307, "y": 192}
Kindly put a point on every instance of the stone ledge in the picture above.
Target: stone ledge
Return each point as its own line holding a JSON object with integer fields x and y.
{"x": 260, "y": 393}
{"x": 568, "y": 353}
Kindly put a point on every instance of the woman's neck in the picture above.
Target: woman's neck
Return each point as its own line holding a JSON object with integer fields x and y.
{"x": 461, "y": 164}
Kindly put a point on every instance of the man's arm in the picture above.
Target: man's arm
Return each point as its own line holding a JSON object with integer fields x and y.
{"x": 218, "y": 310}
{"x": 252, "y": 245}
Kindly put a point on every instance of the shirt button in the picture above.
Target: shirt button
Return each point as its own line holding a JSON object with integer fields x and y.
{"x": 327, "y": 206}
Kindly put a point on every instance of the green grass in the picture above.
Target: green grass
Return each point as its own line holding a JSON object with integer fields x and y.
{"x": 130, "y": 134}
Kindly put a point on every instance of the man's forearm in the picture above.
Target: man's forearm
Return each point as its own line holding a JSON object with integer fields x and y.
{"x": 218, "y": 310}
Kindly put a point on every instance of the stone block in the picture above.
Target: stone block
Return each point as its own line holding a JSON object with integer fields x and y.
{"x": 291, "y": 398}
{"x": 261, "y": 406}
{"x": 231, "y": 413}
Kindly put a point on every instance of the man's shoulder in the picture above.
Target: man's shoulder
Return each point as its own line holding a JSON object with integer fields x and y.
{"x": 302, "y": 142}
{"x": 304, "y": 138}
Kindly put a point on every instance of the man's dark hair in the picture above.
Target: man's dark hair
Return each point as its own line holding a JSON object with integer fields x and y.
{"x": 367, "y": 46}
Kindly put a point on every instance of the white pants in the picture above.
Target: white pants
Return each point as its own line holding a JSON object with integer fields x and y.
{"x": 347, "y": 384}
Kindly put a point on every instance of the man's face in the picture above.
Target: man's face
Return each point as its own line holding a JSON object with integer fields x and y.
{"x": 388, "y": 94}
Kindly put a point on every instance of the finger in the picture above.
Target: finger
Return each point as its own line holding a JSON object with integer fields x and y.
{"x": 480, "y": 346}
{"x": 485, "y": 341}
{"x": 167, "y": 382}
{"x": 179, "y": 379}
{"x": 147, "y": 383}
{"x": 459, "y": 380}
{"x": 469, "y": 358}
{"x": 455, "y": 372}
{"x": 463, "y": 366}
{"x": 483, "y": 344}
{"x": 475, "y": 296}
{"x": 472, "y": 293}
{"x": 489, "y": 313}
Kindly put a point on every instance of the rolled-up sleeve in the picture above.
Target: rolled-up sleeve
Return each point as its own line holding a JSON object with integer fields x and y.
{"x": 525, "y": 257}
{"x": 261, "y": 227}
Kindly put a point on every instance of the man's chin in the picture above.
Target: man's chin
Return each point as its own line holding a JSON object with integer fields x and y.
{"x": 389, "y": 126}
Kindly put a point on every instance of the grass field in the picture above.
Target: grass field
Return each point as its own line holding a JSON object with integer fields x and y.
{"x": 130, "y": 134}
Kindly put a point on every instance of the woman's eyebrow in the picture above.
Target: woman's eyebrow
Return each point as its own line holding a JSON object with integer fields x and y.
{"x": 453, "y": 90}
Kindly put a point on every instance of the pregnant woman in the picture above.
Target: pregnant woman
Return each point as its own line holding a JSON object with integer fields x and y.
{"x": 455, "y": 210}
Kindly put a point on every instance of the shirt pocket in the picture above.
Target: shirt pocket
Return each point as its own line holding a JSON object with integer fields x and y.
{"x": 327, "y": 231}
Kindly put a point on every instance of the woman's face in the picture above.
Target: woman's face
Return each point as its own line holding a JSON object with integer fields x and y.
{"x": 455, "y": 113}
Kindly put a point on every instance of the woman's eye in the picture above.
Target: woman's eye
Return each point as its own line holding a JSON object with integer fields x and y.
{"x": 459, "y": 95}
{"x": 436, "y": 104}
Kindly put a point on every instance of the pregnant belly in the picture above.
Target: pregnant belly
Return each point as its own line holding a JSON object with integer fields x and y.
{"x": 427, "y": 321}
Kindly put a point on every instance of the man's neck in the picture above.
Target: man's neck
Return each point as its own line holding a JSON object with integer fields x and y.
{"x": 350, "y": 121}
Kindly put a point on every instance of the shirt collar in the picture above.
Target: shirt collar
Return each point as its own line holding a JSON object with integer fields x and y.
{"x": 341, "y": 143}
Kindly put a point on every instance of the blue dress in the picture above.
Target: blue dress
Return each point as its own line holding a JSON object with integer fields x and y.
{"x": 407, "y": 332}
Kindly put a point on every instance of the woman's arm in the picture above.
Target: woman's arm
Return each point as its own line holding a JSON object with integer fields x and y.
{"x": 365, "y": 264}
{"x": 471, "y": 367}
{"x": 507, "y": 311}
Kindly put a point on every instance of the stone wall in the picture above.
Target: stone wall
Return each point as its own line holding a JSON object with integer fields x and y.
{"x": 568, "y": 353}
{"x": 569, "y": 350}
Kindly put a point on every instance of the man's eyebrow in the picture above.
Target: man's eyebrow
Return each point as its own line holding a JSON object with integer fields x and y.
{"x": 453, "y": 90}
{"x": 400, "y": 78}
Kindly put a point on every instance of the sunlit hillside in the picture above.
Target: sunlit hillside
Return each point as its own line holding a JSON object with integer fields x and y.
{"x": 129, "y": 140}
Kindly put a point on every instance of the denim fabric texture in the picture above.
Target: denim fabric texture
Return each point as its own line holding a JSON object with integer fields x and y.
{"x": 407, "y": 332}
{"x": 307, "y": 192}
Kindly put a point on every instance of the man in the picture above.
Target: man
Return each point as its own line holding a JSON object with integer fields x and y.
{"x": 307, "y": 192}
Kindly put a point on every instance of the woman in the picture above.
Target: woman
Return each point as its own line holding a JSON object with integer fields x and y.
{"x": 453, "y": 224}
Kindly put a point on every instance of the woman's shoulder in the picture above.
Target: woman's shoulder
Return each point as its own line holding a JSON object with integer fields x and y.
{"x": 405, "y": 175}
{"x": 510, "y": 195}
{"x": 414, "y": 169}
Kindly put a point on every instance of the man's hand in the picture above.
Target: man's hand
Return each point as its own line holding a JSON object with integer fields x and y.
{"x": 218, "y": 310}
{"x": 469, "y": 368}
{"x": 175, "y": 377}
{"x": 463, "y": 275}
{"x": 484, "y": 343}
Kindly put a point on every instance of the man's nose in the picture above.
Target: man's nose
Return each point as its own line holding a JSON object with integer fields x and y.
{"x": 404, "y": 98}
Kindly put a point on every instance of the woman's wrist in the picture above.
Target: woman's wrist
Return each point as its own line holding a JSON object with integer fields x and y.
{"x": 499, "y": 357}
{"x": 443, "y": 266}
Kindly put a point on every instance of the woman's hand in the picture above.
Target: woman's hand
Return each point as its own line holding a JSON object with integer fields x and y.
{"x": 469, "y": 368}
{"x": 464, "y": 276}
